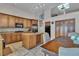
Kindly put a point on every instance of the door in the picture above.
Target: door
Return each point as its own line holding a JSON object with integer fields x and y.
{"x": 63, "y": 27}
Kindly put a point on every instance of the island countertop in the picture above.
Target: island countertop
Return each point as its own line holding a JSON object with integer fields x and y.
{"x": 31, "y": 33}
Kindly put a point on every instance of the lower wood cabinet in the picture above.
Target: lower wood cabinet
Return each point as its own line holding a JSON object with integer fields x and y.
{"x": 18, "y": 36}
{"x": 8, "y": 38}
{"x": 38, "y": 39}
{"x": 11, "y": 37}
{"x": 30, "y": 40}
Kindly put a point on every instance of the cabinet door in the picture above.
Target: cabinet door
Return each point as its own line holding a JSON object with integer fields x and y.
{"x": 19, "y": 20}
{"x": 8, "y": 38}
{"x": 3, "y": 20}
{"x": 34, "y": 22}
{"x": 11, "y": 21}
{"x": 32, "y": 41}
{"x": 25, "y": 41}
{"x": 25, "y": 23}
{"x": 38, "y": 40}
{"x": 18, "y": 36}
{"x": 13, "y": 37}
{"x": 3, "y": 36}
{"x": 29, "y": 23}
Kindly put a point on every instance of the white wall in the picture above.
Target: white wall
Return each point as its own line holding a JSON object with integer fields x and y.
{"x": 12, "y": 10}
{"x": 63, "y": 17}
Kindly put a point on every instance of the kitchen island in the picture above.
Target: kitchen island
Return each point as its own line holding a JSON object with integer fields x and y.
{"x": 30, "y": 40}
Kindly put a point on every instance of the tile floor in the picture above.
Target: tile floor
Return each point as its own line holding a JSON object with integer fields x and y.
{"x": 24, "y": 52}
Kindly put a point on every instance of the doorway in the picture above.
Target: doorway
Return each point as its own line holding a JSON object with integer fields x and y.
{"x": 48, "y": 28}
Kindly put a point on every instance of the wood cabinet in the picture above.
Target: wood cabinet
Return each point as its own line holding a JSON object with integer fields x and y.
{"x": 8, "y": 21}
{"x": 8, "y": 39}
{"x": 38, "y": 40}
{"x": 29, "y": 23}
{"x": 11, "y": 37}
{"x": 18, "y": 20}
{"x": 34, "y": 22}
{"x": 1, "y": 45}
{"x": 11, "y": 22}
{"x": 30, "y": 40}
{"x": 18, "y": 36}
{"x": 25, "y": 23}
{"x": 3, "y": 21}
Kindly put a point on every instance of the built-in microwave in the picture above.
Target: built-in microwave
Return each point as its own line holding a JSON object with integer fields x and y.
{"x": 18, "y": 25}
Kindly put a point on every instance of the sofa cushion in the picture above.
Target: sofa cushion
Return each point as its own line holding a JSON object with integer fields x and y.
{"x": 68, "y": 51}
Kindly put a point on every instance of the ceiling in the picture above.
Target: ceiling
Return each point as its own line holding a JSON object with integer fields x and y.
{"x": 37, "y": 8}
{"x": 73, "y": 7}
{"x": 34, "y": 8}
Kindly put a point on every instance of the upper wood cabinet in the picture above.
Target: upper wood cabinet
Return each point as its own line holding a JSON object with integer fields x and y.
{"x": 29, "y": 23}
{"x": 11, "y": 21}
{"x": 25, "y": 23}
{"x": 3, "y": 20}
{"x": 8, "y": 21}
{"x": 19, "y": 20}
{"x": 34, "y": 22}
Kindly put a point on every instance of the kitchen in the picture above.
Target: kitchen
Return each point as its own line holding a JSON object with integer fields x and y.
{"x": 15, "y": 29}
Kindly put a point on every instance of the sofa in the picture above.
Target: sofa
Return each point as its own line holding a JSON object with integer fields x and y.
{"x": 68, "y": 51}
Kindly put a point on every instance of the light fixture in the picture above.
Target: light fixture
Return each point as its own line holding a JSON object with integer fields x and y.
{"x": 64, "y": 7}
